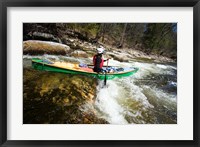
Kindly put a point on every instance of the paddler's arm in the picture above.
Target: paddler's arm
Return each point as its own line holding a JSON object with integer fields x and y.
{"x": 106, "y": 60}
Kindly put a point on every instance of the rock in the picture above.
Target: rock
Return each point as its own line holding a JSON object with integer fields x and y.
{"x": 43, "y": 36}
{"x": 86, "y": 121}
{"x": 120, "y": 57}
{"x": 79, "y": 53}
{"x": 58, "y": 98}
{"x": 34, "y": 47}
{"x": 86, "y": 48}
{"x": 72, "y": 40}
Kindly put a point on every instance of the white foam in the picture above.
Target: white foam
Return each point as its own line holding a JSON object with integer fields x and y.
{"x": 161, "y": 66}
{"x": 107, "y": 103}
{"x": 173, "y": 83}
{"x": 159, "y": 94}
{"x": 135, "y": 92}
{"x": 119, "y": 89}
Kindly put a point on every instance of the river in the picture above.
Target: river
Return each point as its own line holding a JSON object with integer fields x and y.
{"x": 147, "y": 97}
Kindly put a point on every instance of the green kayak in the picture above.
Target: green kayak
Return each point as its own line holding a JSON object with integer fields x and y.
{"x": 74, "y": 68}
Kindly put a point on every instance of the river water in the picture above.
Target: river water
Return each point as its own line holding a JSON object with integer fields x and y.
{"x": 147, "y": 97}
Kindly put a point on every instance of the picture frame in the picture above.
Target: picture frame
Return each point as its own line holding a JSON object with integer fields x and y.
{"x": 195, "y": 4}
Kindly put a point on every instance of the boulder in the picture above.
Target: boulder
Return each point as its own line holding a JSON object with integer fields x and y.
{"x": 42, "y": 36}
{"x": 119, "y": 57}
{"x": 79, "y": 53}
{"x": 34, "y": 47}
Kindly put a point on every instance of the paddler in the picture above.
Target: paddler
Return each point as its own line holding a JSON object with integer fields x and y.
{"x": 98, "y": 60}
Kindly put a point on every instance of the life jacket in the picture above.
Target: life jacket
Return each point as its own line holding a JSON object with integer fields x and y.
{"x": 98, "y": 61}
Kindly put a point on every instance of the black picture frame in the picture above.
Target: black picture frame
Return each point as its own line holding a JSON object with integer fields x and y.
{"x": 4, "y": 4}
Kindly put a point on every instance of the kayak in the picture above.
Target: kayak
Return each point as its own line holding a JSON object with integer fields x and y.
{"x": 111, "y": 72}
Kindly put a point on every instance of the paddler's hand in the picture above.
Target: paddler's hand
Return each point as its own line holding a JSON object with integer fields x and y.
{"x": 108, "y": 59}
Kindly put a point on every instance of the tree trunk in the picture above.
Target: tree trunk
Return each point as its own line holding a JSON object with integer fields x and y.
{"x": 100, "y": 32}
{"x": 123, "y": 35}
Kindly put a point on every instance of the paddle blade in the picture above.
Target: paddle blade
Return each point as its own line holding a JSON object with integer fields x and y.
{"x": 105, "y": 80}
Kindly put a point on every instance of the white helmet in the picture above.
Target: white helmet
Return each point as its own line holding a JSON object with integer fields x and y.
{"x": 100, "y": 50}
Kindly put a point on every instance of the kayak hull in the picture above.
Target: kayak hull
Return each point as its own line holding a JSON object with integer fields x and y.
{"x": 40, "y": 65}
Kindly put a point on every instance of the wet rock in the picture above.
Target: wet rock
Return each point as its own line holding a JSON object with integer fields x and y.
{"x": 34, "y": 47}
{"x": 57, "y": 98}
{"x": 79, "y": 53}
{"x": 119, "y": 57}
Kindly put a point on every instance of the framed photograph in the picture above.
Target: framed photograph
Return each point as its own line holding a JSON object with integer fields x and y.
{"x": 99, "y": 73}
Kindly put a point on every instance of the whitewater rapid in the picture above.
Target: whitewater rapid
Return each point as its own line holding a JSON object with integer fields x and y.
{"x": 147, "y": 97}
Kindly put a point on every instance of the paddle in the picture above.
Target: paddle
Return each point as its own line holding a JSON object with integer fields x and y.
{"x": 106, "y": 73}
{"x": 105, "y": 80}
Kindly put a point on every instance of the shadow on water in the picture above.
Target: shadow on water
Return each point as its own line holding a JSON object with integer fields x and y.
{"x": 164, "y": 82}
{"x": 161, "y": 92}
{"x": 56, "y": 98}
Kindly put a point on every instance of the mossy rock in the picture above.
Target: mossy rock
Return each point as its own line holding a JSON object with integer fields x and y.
{"x": 56, "y": 98}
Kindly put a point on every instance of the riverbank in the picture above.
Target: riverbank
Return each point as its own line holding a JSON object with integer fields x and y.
{"x": 83, "y": 49}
